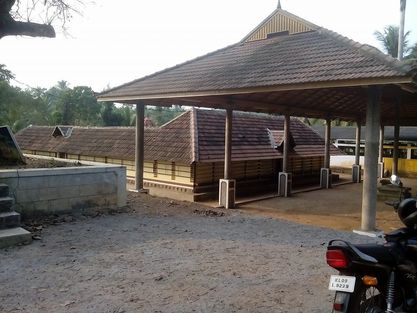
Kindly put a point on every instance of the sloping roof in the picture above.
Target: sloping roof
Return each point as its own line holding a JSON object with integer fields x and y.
{"x": 250, "y": 137}
{"x": 194, "y": 136}
{"x": 304, "y": 70}
{"x": 317, "y": 56}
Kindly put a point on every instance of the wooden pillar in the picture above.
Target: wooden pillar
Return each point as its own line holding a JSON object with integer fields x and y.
{"x": 325, "y": 172}
{"x": 139, "y": 146}
{"x": 369, "y": 195}
{"x": 227, "y": 186}
{"x": 357, "y": 168}
{"x": 228, "y": 145}
{"x": 381, "y": 144}
{"x": 284, "y": 177}
{"x": 381, "y": 167}
{"x": 327, "y": 144}
{"x": 287, "y": 128}
{"x": 358, "y": 143}
{"x": 395, "y": 151}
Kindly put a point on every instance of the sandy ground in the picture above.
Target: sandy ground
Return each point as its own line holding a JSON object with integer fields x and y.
{"x": 166, "y": 256}
{"x": 339, "y": 208}
{"x": 159, "y": 255}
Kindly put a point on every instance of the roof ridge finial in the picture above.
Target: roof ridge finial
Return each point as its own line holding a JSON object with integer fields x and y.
{"x": 279, "y": 4}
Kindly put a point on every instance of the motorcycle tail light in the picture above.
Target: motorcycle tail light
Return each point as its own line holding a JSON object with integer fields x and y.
{"x": 337, "y": 259}
{"x": 370, "y": 280}
{"x": 338, "y": 307}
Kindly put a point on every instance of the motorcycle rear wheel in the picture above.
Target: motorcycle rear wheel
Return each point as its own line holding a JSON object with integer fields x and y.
{"x": 366, "y": 299}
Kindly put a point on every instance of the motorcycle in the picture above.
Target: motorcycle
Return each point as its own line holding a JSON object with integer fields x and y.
{"x": 378, "y": 277}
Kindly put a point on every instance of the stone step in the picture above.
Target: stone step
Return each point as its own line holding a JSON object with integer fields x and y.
{"x": 6, "y": 203}
{"x": 4, "y": 190}
{"x": 9, "y": 220}
{"x": 14, "y": 236}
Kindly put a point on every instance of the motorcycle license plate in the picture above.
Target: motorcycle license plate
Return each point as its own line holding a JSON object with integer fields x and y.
{"x": 342, "y": 283}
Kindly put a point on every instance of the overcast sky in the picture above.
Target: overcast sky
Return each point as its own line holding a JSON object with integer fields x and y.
{"x": 117, "y": 41}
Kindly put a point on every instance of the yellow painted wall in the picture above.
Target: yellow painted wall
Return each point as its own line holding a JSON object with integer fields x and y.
{"x": 72, "y": 156}
{"x": 406, "y": 168}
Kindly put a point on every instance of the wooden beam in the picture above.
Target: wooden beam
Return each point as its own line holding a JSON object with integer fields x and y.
{"x": 236, "y": 91}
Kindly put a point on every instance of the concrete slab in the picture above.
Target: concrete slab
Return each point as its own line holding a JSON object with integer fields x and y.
{"x": 14, "y": 236}
{"x": 9, "y": 219}
{"x": 4, "y": 190}
{"x": 6, "y": 203}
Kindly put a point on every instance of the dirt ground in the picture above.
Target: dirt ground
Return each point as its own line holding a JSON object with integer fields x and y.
{"x": 158, "y": 255}
{"x": 168, "y": 256}
{"x": 338, "y": 208}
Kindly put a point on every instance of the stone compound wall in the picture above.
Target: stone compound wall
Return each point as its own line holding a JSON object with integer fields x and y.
{"x": 65, "y": 190}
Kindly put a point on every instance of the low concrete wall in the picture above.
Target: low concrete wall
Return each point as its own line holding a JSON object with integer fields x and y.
{"x": 65, "y": 190}
{"x": 345, "y": 161}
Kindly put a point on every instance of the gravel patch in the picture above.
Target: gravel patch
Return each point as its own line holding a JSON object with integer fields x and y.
{"x": 181, "y": 261}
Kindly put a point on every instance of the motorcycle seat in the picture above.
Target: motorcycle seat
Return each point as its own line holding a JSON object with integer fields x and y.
{"x": 382, "y": 253}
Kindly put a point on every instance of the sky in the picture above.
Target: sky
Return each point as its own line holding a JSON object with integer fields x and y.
{"x": 114, "y": 42}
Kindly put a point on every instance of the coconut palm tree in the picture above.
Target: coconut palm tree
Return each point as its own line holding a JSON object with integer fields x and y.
{"x": 389, "y": 40}
{"x": 413, "y": 53}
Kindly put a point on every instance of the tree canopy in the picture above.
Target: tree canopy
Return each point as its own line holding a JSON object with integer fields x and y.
{"x": 389, "y": 40}
{"x": 63, "y": 105}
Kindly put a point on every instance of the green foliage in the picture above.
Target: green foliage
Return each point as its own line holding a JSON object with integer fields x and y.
{"x": 5, "y": 74}
{"x": 162, "y": 115}
{"x": 389, "y": 40}
{"x": 413, "y": 53}
{"x": 63, "y": 105}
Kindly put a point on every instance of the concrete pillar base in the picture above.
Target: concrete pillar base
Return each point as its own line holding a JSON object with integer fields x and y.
{"x": 356, "y": 173}
{"x": 284, "y": 184}
{"x": 372, "y": 234}
{"x": 227, "y": 193}
{"x": 326, "y": 178}
{"x": 381, "y": 169}
{"x": 139, "y": 191}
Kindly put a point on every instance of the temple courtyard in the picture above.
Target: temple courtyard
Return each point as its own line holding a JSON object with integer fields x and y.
{"x": 160, "y": 255}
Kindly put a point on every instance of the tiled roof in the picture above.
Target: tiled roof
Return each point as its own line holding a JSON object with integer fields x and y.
{"x": 196, "y": 135}
{"x": 310, "y": 57}
{"x": 250, "y": 138}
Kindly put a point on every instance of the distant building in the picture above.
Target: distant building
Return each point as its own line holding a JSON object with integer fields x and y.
{"x": 184, "y": 158}
{"x": 345, "y": 139}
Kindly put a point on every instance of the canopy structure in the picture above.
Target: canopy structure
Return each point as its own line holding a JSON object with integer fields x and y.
{"x": 290, "y": 66}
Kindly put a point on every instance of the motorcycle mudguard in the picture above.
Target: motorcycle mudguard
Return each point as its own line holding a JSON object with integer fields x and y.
{"x": 341, "y": 302}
